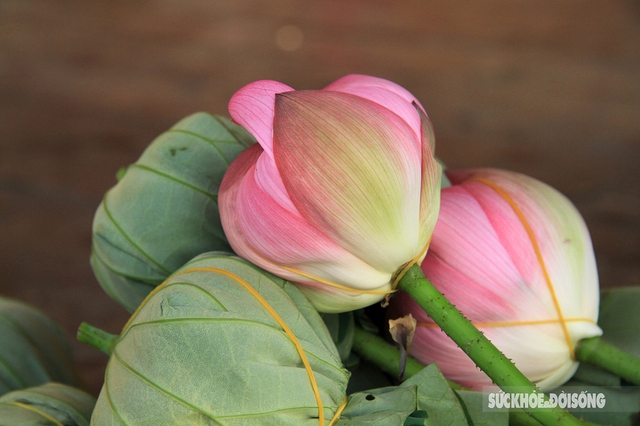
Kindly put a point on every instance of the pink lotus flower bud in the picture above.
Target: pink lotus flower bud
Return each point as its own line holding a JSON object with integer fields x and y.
{"x": 515, "y": 256}
{"x": 341, "y": 191}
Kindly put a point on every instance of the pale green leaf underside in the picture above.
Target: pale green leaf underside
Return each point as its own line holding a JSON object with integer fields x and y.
{"x": 164, "y": 210}
{"x": 341, "y": 327}
{"x": 202, "y": 350}
{"x": 475, "y": 408}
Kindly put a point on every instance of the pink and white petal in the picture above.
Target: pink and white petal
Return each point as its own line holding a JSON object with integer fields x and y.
{"x": 328, "y": 300}
{"x": 252, "y": 108}
{"x": 478, "y": 302}
{"x": 537, "y": 350}
{"x": 355, "y": 80}
{"x": 352, "y": 169}
{"x": 228, "y": 196}
{"x": 559, "y": 233}
{"x": 563, "y": 240}
{"x": 232, "y": 178}
{"x": 559, "y": 377}
{"x": 540, "y": 350}
{"x": 268, "y": 177}
{"x": 431, "y": 181}
{"x": 510, "y": 235}
{"x": 285, "y": 244}
{"x": 542, "y": 358}
{"x": 466, "y": 245}
{"x": 427, "y": 135}
{"x": 383, "y": 92}
{"x": 432, "y": 345}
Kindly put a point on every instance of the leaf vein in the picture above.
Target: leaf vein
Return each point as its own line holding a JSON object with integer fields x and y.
{"x": 130, "y": 240}
{"x": 161, "y": 390}
{"x": 150, "y": 169}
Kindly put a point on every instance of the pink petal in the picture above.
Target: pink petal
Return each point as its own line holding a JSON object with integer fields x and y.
{"x": 252, "y": 107}
{"x": 526, "y": 345}
{"x": 268, "y": 177}
{"x": 384, "y": 92}
{"x": 282, "y": 242}
{"x": 375, "y": 83}
{"x": 431, "y": 180}
{"x": 559, "y": 233}
{"x": 510, "y": 235}
{"x": 330, "y": 300}
{"x": 227, "y": 195}
{"x": 353, "y": 169}
{"x": 468, "y": 263}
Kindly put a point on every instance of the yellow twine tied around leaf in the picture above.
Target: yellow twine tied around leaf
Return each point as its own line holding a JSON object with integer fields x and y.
{"x": 336, "y": 415}
{"x": 281, "y": 323}
{"x": 268, "y": 308}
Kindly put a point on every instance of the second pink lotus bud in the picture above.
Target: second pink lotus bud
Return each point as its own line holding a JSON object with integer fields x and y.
{"x": 515, "y": 256}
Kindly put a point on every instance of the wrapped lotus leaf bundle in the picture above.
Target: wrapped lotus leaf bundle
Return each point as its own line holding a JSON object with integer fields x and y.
{"x": 164, "y": 211}
{"x": 33, "y": 349}
{"x": 221, "y": 342}
{"x": 52, "y": 404}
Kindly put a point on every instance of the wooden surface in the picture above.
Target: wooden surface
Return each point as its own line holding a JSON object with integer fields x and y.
{"x": 550, "y": 88}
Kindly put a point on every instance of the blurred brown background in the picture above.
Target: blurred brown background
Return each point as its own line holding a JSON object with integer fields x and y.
{"x": 550, "y": 88}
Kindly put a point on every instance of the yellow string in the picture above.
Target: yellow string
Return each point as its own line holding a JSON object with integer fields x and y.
{"x": 332, "y": 284}
{"x": 312, "y": 277}
{"x": 514, "y": 323}
{"x": 338, "y": 412}
{"x": 35, "y": 410}
{"x": 409, "y": 264}
{"x": 319, "y": 279}
{"x": 279, "y": 320}
{"x": 538, "y": 253}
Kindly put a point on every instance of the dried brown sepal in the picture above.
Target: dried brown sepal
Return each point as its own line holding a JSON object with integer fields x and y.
{"x": 402, "y": 331}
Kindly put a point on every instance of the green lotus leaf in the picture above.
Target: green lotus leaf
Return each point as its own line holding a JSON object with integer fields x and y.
{"x": 33, "y": 349}
{"x": 620, "y": 318}
{"x": 164, "y": 209}
{"x": 222, "y": 342}
{"x": 341, "y": 328}
{"x": 425, "y": 399}
{"x": 52, "y": 404}
{"x": 474, "y": 406}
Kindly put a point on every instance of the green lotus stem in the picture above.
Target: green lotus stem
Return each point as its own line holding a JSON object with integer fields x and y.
{"x": 484, "y": 354}
{"x": 97, "y": 338}
{"x": 385, "y": 355}
{"x": 598, "y": 352}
